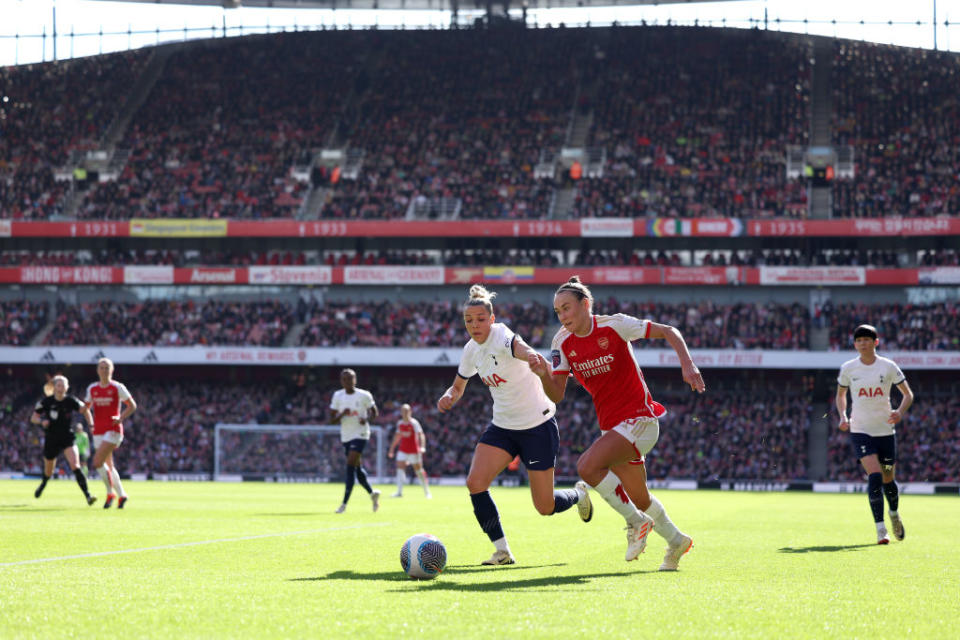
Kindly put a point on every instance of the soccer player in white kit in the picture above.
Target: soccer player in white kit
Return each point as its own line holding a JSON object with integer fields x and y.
{"x": 412, "y": 442}
{"x": 352, "y": 409}
{"x": 523, "y": 422}
{"x": 871, "y": 423}
{"x": 596, "y": 350}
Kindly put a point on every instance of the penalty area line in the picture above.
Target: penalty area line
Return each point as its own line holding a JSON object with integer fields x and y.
{"x": 198, "y": 543}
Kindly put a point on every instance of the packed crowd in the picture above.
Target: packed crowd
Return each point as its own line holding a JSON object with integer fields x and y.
{"x": 21, "y": 320}
{"x": 695, "y": 124}
{"x": 744, "y": 427}
{"x": 434, "y": 131}
{"x": 48, "y": 111}
{"x": 486, "y": 257}
{"x": 172, "y": 323}
{"x": 225, "y": 124}
{"x": 902, "y": 327}
{"x": 898, "y": 107}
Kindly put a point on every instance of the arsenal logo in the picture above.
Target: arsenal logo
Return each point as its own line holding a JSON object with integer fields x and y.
{"x": 604, "y": 343}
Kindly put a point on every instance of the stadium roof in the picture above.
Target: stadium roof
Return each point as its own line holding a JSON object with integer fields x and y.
{"x": 411, "y": 4}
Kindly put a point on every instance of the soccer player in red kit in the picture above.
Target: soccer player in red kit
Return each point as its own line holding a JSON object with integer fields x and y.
{"x": 105, "y": 399}
{"x": 596, "y": 350}
{"x": 412, "y": 443}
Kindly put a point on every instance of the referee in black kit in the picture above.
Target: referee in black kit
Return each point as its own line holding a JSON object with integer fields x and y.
{"x": 54, "y": 413}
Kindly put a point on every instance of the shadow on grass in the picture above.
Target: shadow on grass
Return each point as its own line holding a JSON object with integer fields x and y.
{"x": 27, "y": 507}
{"x": 447, "y": 582}
{"x": 825, "y": 548}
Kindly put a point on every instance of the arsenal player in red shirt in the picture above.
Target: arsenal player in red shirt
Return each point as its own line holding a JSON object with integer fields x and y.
{"x": 105, "y": 399}
{"x": 596, "y": 350}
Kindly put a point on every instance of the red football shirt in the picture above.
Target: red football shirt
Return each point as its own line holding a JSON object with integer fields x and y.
{"x": 603, "y": 362}
{"x": 408, "y": 436}
{"x": 105, "y": 404}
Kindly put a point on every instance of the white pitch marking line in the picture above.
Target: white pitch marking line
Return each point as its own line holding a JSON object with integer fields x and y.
{"x": 180, "y": 545}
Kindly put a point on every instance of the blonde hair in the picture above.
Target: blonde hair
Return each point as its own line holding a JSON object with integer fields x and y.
{"x": 577, "y": 288}
{"x": 108, "y": 361}
{"x": 66, "y": 382}
{"x": 480, "y": 296}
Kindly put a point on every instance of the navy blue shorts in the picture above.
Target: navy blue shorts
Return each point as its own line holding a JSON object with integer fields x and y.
{"x": 356, "y": 444}
{"x": 884, "y": 446}
{"x": 537, "y": 447}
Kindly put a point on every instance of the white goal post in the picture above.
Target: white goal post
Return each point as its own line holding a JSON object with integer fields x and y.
{"x": 289, "y": 452}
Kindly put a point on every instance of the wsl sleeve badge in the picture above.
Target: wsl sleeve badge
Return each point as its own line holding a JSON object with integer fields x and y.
{"x": 423, "y": 556}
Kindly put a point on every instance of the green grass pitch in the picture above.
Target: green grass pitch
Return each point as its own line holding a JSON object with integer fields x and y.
{"x": 252, "y": 560}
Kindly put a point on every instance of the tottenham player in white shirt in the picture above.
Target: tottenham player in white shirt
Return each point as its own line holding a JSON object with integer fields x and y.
{"x": 871, "y": 423}
{"x": 523, "y": 422}
{"x": 352, "y": 409}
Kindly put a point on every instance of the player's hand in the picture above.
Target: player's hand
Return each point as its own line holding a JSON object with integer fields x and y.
{"x": 844, "y": 424}
{"x": 538, "y": 364}
{"x": 363, "y": 421}
{"x": 691, "y": 375}
{"x": 423, "y": 449}
{"x": 115, "y": 420}
{"x": 895, "y": 417}
{"x": 44, "y": 423}
{"x": 445, "y": 402}
{"x": 389, "y": 454}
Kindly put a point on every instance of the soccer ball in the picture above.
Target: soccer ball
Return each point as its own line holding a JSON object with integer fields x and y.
{"x": 423, "y": 556}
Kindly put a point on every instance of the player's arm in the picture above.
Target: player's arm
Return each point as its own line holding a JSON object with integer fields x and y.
{"x": 87, "y": 415}
{"x": 453, "y": 394}
{"x": 907, "y": 400}
{"x": 393, "y": 443}
{"x": 691, "y": 374}
{"x": 842, "y": 407}
{"x": 37, "y": 417}
{"x": 521, "y": 350}
{"x": 554, "y": 384}
{"x": 422, "y": 440}
{"x": 372, "y": 412}
{"x": 131, "y": 406}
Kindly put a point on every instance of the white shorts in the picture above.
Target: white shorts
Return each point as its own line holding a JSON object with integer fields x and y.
{"x": 409, "y": 458}
{"x": 642, "y": 433}
{"x": 113, "y": 437}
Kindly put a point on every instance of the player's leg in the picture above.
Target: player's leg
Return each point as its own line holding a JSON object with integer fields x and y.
{"x": 72, "y": 456}
{"x": 358, "y": 447}
{"x": 422, "y": 474}
{"x": 48, "y": 464}
{"x": 353, "y": 456}
{"x": 101, "y": 461}
{"x": 116, "y": 438}
{"x": 538, "y": 449}
{"x": 401, "y": 476}
{"x": 488, "y": 461}
{"x": 611, "y": 449}
{"x": 633, "y": 476}
{"x": 875, "y": 494}
{"x": 887, "y": 455}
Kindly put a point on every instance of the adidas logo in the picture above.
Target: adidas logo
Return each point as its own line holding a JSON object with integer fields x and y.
{"x": 443, "y": 357}
{"x": 48, "y": 357}
{"x": 573, "y": 354}
{"x": 99, "y": 354}
{"x": 151, "y": 357}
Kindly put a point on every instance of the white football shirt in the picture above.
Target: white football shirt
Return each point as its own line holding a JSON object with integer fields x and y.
{"x": 357, "y": 405}
{"x": 869, "y": 386}
{"x": 519, "y": 401}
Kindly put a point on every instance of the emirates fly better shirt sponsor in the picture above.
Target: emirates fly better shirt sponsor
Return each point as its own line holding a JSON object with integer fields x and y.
{"x": 869, "y": 386}
{"x": 519, "y": 401}
{"x": 357, "y": 405}
{"x": 603, "y": 362}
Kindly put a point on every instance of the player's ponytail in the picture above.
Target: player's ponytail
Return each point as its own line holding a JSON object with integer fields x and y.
{"x": 480, "y": 296}
{"x": 577, "y": 288}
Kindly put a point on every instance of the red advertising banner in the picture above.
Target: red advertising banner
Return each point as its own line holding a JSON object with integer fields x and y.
{"x": 211, "y": 275}
{"x": 402, "y": 228}
{"x": 89, "y": 229}
{"x": 856, "y": 227}
{"x": 393, "y": 275}
{"x": 70, "y": 275}
{"x": 702, "y": 275}
{"x": 812, "y": 276}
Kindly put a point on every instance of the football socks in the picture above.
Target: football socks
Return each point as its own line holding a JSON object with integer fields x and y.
{"x": 664, "y": 527}
{"x": 615, "y": 495}
{"x": 893, "y": 496}
{"x": 875, "y": 494}
{"x": 82, "y": 481}
{"x": 563, "y": 499}
{"x": 362, "y": 479}
{"x": 487, "y": 515}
